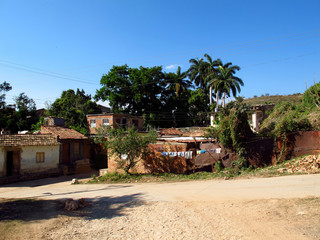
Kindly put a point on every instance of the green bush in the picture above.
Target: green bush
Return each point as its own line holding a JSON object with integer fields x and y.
{"x": 218, "y": 166}
{"x": 311, "y": 97}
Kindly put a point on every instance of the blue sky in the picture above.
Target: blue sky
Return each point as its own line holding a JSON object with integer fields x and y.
{"x": 47, "y": 46}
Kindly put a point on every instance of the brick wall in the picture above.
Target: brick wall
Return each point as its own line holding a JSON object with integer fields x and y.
{"x": 155, "y": 162}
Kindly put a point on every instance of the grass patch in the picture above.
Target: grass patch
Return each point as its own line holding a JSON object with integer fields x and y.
{"x": 158, "y": 177}
{"x": 224, "y": 173}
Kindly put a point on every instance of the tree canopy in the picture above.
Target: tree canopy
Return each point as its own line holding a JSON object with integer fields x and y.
{"x": 16, "y": 117}
{"x": 73, "y": 107}
{"x": 158, "y": 96}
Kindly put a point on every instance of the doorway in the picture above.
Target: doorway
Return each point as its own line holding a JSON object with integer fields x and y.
{"x": 13, "y": 163}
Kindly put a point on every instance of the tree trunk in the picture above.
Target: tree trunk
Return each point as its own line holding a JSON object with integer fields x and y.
{"x": 217, "y": 99}
{"x": 210, "y": 95}
{"x": 224, "y": 100}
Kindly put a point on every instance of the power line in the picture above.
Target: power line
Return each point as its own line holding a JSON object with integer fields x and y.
{"x": 203, "y": 49}
{"x": 45, "y": 73}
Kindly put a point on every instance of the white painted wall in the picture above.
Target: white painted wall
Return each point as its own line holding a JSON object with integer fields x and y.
{"x": 255, "y": 125}
{"x": 28, "y": 162}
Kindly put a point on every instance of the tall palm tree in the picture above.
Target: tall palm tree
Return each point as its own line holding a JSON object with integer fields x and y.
{"x": 196, "y": 72}
{"x": 225, "y": 82}
{"x": 211, "y": 72}
{"x": 202, "y": 72}
{"x": 179, "y": 83}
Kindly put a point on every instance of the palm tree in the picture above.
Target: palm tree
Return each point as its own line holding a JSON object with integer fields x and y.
{"x": 211, "y": 72}
{"x": 225, "y": 82}
{"x": 196, "y": 72}
{"x": 202, "y": 72}
{"x": 178, "y": 82}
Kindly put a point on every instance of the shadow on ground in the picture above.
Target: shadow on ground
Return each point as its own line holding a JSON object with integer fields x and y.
{"x": 49, "y": 180}
{"x": 96, "y": 208}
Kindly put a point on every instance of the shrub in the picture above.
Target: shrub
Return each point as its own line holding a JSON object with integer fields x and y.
{"x": 311, "y": 97}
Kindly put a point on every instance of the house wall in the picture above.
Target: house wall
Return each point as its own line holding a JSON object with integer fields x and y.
{"x": 28, "y": 164}
{"x": 75, "y": 161}
{"x": 114, "y": 121}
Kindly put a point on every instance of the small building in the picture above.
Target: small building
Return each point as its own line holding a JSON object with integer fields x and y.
{"x": 114, "y": 120}
{"x": 74, "y": 148}
{"x": 29, "y": 156}
{"x": 259, "y": 113}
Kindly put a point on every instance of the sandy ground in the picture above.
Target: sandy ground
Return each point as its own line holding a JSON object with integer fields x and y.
{"x": 273, "y": 208}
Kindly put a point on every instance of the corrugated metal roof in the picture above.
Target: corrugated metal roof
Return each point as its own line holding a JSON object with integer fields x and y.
{"x": 184, "y": 139}
{"x": 28, "y": 140}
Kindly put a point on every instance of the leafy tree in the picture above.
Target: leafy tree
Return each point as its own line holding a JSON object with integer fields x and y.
{"x": 20, "y": 117}
{"x": 233, "y": 129}
{"x": 198, "y": 107}
{"x": 143, "y": 91}
{"x": 73, "y": 107}
{"x": 4, "y": 111}
{"x": 4, "y": 87}
{"x": 25, "y": 115}
{"x": 127, "y": 145}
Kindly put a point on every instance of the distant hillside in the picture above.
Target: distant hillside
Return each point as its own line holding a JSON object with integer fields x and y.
{"x": 275, "y": 99}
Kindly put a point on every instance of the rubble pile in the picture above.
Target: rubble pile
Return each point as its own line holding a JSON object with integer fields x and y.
{"x": 308, "y": 164}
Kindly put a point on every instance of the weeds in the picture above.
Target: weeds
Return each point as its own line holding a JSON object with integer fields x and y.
{"x": 238, "y": 169}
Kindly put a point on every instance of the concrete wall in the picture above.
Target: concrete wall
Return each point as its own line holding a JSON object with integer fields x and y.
{"x": 28, "y": 164}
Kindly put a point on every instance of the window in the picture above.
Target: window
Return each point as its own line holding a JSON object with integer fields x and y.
{"x": 105, "y": 122}
{"x": 76, "y": 148}
{"x": 39, "y": 157}
{"x": 92, "y": 123}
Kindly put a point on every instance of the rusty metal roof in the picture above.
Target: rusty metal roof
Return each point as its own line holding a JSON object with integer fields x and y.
{"x": 184, "y": 139}
{"x": 28, "y": 140}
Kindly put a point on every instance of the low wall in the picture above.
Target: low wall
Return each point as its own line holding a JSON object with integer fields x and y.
{"x": 262, "y": 152}
{"x": 297, "y": 145}
{"x": 155, "y": 162}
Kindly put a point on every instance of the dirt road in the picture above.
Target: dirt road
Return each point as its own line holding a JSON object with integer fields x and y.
{"x": 264, "y": 208}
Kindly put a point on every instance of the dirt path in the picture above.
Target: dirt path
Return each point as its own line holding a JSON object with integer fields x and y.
{"x": 273, "y": 208}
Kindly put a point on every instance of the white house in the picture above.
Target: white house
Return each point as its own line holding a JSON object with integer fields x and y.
{"x": 29, "y": 155}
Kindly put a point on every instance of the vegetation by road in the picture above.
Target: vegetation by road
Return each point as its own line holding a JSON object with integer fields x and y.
{"x": 302, "y": 165}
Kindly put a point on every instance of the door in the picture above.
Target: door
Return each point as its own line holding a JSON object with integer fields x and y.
{"x": 9, "y": 163}
{"x": 13, "y": 163}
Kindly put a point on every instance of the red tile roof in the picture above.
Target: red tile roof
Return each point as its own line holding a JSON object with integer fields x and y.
{"x": 28, "y": 140}
{"x": 63, "y": 132}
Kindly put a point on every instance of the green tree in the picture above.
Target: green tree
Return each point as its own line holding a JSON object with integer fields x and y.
{"x": 177, "y": 81}
{"x": 73, "y": 107}
{"x": 4, "y": 87}
{"x": 311, "y": 97}
{"x": 25, "y": 115}
{"x": 225, "y": 81}
{"x": 140, "y": 91}
{"x": 210, "y": 72}
{"x": 198, "y": 107}
{"x": 196, "y": 72}
{"x": 202, "y": 72}
{"x": 126, "y": 145}
{"x": 4, "y": 110}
